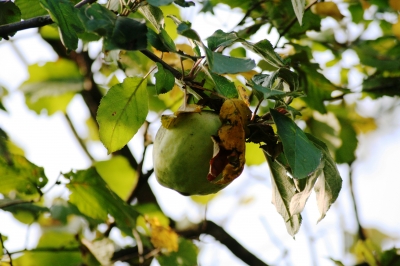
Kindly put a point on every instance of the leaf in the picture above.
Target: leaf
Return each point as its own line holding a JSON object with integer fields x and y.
{"x": 390, "y": 257}
{"x": 224, "y": 86}
{"x": 366, "y": 250}
{"x": 160, "y": 2}
{"x": 185, "y": 256}
{"x": 118, "y": 174}
{"x": 283, "y": 190}
{"x": 222, "y": 64}
{"x": 346, "y": 152}
{"x": 26, "y": 213}
{"x": 117, "y": 31}
{"x": 317, "y": 88}
{"x": 154, "y": 15}
{"x": 165, "y": 80}
{"x": 266, "y": 51}
{"x": 229, "y": 145}
{"x": 167, "y": 40}
{"x": 378, "y": 86}
{"x": 298, "y": 7}
{"x": 298, "y": 201}
{"x": 327, "y": 9}
{"x": 52, "y": 86}
{"x": 329, "y": 184}
{"x": 162, "y": 236}
{"x": 55, "y": 240}
{"x": 122, "y": 112}
{"x": 183, "y": 3}
{"x": 65, "y": 15}
{"x": 9, "y": 13}
{"x": 220, "y": 38}
{"x": 302, "y": 156}
{"x": 94, "y": 198}
{"x": 185, "y": 29}
{"x": 19, "y": 174}
{"x": 30, "y": 8}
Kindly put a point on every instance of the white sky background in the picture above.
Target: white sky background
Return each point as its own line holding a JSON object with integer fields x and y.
{"x": 48, "y": 142}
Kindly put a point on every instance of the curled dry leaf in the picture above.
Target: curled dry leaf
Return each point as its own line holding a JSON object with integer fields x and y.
{"x": 229, "y": 145}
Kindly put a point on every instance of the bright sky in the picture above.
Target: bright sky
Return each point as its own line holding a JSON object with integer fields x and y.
{"x": 244, "y": 208}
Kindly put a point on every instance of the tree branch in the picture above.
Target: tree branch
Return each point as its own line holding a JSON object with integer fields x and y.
{"x": 360, "y": 230}
{"x": 49, "y": 249}
{"x": 6, "y": 250}
{"x": 219, "y": 233}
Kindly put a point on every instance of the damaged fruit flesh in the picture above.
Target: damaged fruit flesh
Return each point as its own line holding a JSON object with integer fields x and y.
{"x": 182, "y": 153}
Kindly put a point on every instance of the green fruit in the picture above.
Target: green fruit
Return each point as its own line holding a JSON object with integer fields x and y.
{"x": 182, "y": 153}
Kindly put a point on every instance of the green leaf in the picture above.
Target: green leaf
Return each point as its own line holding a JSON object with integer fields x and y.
{"x": 52, "y": 86}
{"x": 9, "y": 13}
{"x": 224, "y": 86}
{"x": 65, "y": 15}
{"x": 155, "y": 40}
{"x": 298, "y": 7}
{"x": 382, "y": 53}
{"x": 167, "y": 40}
{"x": 378, "y": 86}
{"x": 128, "y": 34}
{"x": 30, "y": 8}
{"x": 329, "y": 182}
{"x": 185, "y": 29}
{"x": 118, "y": 174}
{"x": 222, "y": 64}
{"x": 302, "y": 156}
{"x": 266, "y": 51}
{"x": 122, "y": 112}
{"x": 346, "y": 152}
{"x": 154, "y": 15}
{"x": 94, "y": 198}
{"x": 26, "y": 213}
{"x": 220, "y": 38}
{"x": 185, "y": 256}
{"x": 183, "y": 3}
{"x": 390, "y": 257}
{"x": 19, "y": 174}
{"x": 165, "y": 80}
{"x": 160, "y": 2}
{"x": 317, "y": 88}
{"x": 117, "y": 31}
{"x": 283, "y": 190}
{"x": 254, "y": 154}
{"x": 56, "y": 240}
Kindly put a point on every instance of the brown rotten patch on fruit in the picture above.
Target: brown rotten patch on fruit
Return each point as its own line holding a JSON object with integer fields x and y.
{"x": 229, "y": 144}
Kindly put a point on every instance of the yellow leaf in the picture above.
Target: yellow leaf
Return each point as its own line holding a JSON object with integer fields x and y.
{"x": 254, "y": 155}
{"x": 395, "y": 4}
{"x": 230, "y": 145}
{"x": 327, "y": 9}
{"x": 163, "y": 237}
{"x": 366, "y": 251}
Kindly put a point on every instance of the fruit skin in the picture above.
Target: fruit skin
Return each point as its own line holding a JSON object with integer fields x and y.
{"x": 182, "y": 153}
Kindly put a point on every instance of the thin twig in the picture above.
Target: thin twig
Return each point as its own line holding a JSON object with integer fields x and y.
{"x": 78, "y": 138}
{"x": 287, "y": 28}
{"x": 16, "y": 202}
{"x": 360, "y": 232}
{"x": 6, "y": 250}
{"x": 45, "y": 249}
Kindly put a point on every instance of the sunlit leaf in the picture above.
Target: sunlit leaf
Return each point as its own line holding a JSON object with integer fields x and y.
{"x": 160, "y": 2}
{"x": 30, "y": 8}
{"x": 65, "y": 15}
{"x": 303, "y": 157}
{"x": 51, "y": 86}
{"x": 118, "y": 174}
{"x": 327, "y": 9}
{"x": 165, "y": 80}
{"x": 185, "y": 256}
{"x": 329, "y": 183}
{"x": 122, "y": 112}
{"x": 154, "y": 15}
{"x": 298, "y": 7}
{"x": 19, "y": 174}
{"x": 55, "y": 240}
{"x": 94, "y": 198}
{"x": 167, "y": 40}
{"x": 283, "y": 190}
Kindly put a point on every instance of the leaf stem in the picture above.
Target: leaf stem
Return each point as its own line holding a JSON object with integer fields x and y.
{"x": 360, "y": 232}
